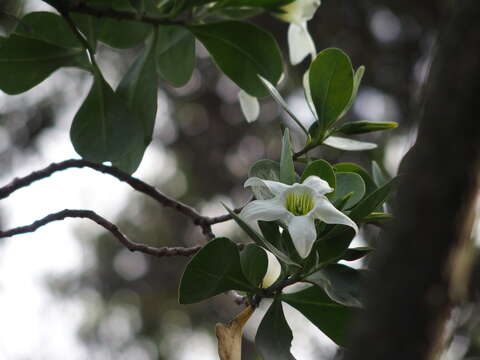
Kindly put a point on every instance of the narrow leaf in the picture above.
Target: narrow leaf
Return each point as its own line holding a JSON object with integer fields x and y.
{"x": 287, "y": 170}
{"x": 274, "y": 337}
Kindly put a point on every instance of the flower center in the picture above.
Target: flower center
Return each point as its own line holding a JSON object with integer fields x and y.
{"x": 299, "y": 203}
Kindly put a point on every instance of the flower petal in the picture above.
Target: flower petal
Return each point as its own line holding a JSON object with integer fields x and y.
{"x": 303, "y": 233}
{"x": 265, "y": 210}
{"x": 329, "y": 214}
{"x": 250, "y": 106}
{"x": 299, "y": 11}
{"x": 275, "y": 187}
{"x": 274, "y": 270}
{"x": 320, "y": 186}
{"x": 300, "y": 43}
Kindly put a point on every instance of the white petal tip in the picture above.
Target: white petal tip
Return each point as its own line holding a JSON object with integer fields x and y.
{"x": 249, "y": 105}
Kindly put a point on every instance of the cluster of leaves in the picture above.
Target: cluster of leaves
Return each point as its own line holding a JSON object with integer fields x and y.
{"x": 333, "y": 297}
{"x": 116, "y": 125}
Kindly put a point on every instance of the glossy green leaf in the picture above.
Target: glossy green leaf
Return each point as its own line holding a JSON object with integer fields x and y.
{"x": 138, "y": 88}
{"x": 268, "y": 4}
{"x": 175, "y": 54}
{"x": 379, "y": 176}
{"x": 348, "y": 182}
{"x": 103, "y": 126}
{"x": 333, "y": 319}
{"x": 279, "y": 99}
{"x": 348, "y": 144}
{"x": 322, "y": 169}
{"x": 287, "y": 170}
{"x": 377, "y": 218}
{"x": 331, "y": 85}
{"x": 48, "y": 27}
{"x": 274, "y": 337}
{"x": 353, "y": 254}
{"x": 372, "y": 201}
{"x": 362, "y": 127}
{"x": 242, "y": 51}
{"x": 351, "y": 167}
{"x": 88, "y": 26}
{"x": 267, "y": 170}
{"x": 122, "y": 34}
{"x": 26, "y": 62}
{"x": 271, "y": 232}
{"x": 213, "y": 270}
{"x": 254, "y": 262}
{"x": 357, "y": 79}
{"x": 340, "y": 282}
{"x": 333, "y": 245}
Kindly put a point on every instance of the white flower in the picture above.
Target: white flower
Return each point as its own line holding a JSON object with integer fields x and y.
{"x": 297, "y": 206}
{"x": 249, "y": 105}
{"x": 300, "y": 43}
{"x": 274, "y": 270}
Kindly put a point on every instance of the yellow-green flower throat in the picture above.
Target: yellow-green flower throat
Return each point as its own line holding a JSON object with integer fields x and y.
{"x": 299, "y": 203}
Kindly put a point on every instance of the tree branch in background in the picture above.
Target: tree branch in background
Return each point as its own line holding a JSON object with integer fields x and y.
{"x": 204, "y": 222}
{"x": 112, "y": 228}
{"x": 409, "y": 295}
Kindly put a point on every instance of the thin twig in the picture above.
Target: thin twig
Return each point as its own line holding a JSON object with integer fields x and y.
{"x": 204, "y": 222}
{"x": 112, "y": 228}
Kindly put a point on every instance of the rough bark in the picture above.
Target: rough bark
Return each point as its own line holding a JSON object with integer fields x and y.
{"x": 410, "y": 294}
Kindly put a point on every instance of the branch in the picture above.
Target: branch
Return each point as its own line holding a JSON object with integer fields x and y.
{"x": 112, "y": 228}
{"x": 204, "y": 222}
{"x": 123, "y": 15}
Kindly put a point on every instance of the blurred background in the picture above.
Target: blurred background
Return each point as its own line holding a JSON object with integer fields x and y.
{"x": 70, "y": 291}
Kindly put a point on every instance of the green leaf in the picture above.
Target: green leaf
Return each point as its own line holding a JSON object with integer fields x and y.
{"x": 259, "y": 240}
{"x": 279, "y": 100}
{"x": 333, "y": 245}
{"x": 213, "y": 270}
{"x": 333, "y": 319}
{"x": 267, "y": 170}
{"x": 242, "y": 51}
{"x": 26, "y": 62}
{"x": 287, "y": 170}
{"x": 274, "y": 337}
{"x": 322, "y": 169}
{"x": 340, "y": 282}
{"x": 377, "y": 218}
{"x": 357, "y": 79}
{"x": 348, "y": 182}
{"x": 361, "y": 127}
{"x": 89, "y": 27}
{"x": 103, "y": 127}
{"x": 351, "y": 167}
{"x": 268, "y": 4}
{"x": 122, "y": 34}
{"x": 254, "y": 262}
{"x": 271, "y": 232}
{"x": 175, "y": 54}
{"x": 139, "y": 90}
{"x": 331, "y": 85}
{"x": 379, "y": 176}
{"x": 48, "y": 27}
{"x": 348, "y": 144}
{"x": 353, "y": 254}
{"x": 372, "y": 201}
